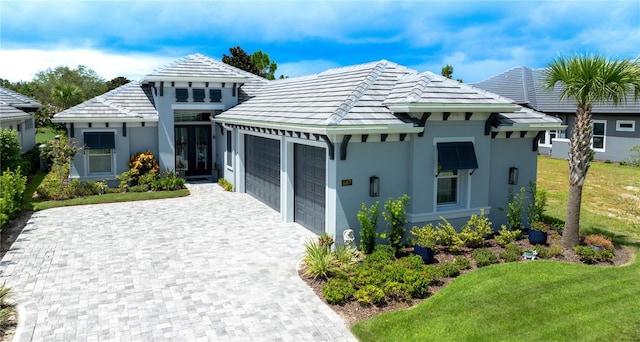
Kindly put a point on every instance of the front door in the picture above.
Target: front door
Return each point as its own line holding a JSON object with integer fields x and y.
{"x": 193, "y": 149}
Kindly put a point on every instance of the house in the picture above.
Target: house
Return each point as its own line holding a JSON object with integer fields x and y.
{"x": 614, "y": 128}
{"x": 16, "y": 112}
{"x": 314, "y": 148}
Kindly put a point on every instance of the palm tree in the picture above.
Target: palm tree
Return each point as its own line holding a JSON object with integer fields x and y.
{"x": 588, "y": 79}
{"x": 67, "y": 95}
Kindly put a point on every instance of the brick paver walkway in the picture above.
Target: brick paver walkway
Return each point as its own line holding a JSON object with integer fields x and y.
{"x": 214, "y": 266}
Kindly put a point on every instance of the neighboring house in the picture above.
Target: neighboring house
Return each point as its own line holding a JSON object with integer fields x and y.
{"x": 314, "y": 148}
{"x": 615, "y": 129}
{"x": 16, "y": 112}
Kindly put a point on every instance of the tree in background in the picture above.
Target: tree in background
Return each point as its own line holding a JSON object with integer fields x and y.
{"x": 117, "y": 82}
{"x": 257, "y": 63}
{"x": 447, "y": 71}
{"x": 588, "y": 79}
{"x": 65, "y": 96}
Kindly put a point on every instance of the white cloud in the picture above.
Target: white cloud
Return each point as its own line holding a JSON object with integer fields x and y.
{"x": 23, "y": 64}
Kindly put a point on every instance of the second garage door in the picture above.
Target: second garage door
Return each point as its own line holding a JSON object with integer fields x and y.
{"x": 262, "y": 169}
{"x": 309, "y": 187}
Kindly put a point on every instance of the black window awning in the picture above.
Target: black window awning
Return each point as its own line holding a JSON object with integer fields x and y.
{"x": 100, "y": 140}
{"x": 457, "y": 156}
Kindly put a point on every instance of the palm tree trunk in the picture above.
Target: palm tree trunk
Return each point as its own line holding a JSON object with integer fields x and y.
{"x": 580, "y": 155}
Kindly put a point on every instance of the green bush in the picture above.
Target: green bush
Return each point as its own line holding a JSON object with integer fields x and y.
{"x": 381, "y": 254}
{"x": 5, "y": 311}
{"x": 418, "y": 281}
{"x": 396, "y": 290}
{"x": 484, "y": 257}
{"x": 462, "y": 262}
{"x": 511, "y": 253}
{"x": 556, "y": 250}
{"x": 9, "y": 149}
{"x": 506, "y": 236}
{"x": 225, "y": 184}
{"x": 55, "y": 185}
{"x": 448, "y": 236}
{"x": 413, "y": 262}
{"x": 168, "y": 181}
{"x": 589, "y": 255}
{"x": 515, "y": 208}
{"x": 346, "y": 257}
{"x": 338, "y": 291}
{"x": 425, "y": 236}
{"x": 395, "y": 214}
{"x": 370, "y": 294}
{"x": 12, "y": 187}
{"x": 537, "y": 203}
{"x": 474, "y": 232}
{"x": 448, "y": 269}
{"x": 543, "y": 251}
{"x": 319, "y": 261}
{"x": 368, "y": 218}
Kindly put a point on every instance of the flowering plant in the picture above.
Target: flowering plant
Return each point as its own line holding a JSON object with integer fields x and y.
{"x": 540, "y": 226}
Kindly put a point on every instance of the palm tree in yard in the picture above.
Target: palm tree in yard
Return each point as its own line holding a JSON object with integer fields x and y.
{"x": 588, "y": 79}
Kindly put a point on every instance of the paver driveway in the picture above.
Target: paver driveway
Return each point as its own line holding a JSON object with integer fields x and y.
{"x": 212, "y": 266}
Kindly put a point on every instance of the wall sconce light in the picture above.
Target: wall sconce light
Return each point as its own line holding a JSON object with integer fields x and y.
{"x": 374, "y": 186}
{"x": 513, "y": 175}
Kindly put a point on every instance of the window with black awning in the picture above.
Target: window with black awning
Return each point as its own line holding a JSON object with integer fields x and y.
{"x": 100, "y": 140}
{"x": 457, "y": 156}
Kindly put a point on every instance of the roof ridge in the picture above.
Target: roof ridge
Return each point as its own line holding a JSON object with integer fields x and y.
{"x": 353, "y": 98}
{"x": 418, "y": 89}
{"x": 214, "y": 62}
{"x": 18, "y": 96}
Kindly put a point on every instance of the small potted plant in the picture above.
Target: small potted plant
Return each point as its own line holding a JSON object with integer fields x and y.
{"x": 424, "y": 239}
{"x": 598, "y": 242}
{"x": 538, "y": 233}
{"x": 529, "y": 254}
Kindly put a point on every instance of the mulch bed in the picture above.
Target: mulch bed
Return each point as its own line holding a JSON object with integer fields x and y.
{"x": 353, "y": 312}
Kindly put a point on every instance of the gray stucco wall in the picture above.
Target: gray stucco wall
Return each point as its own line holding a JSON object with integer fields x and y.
{"x": 142, "y": 139}
{"x": 506, "y": 153}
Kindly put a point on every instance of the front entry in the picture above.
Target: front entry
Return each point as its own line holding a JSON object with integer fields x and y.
{"x": 193, "y": 149}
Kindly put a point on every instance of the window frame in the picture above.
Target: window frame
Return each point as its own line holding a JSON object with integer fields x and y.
{"x": 228, "y": 156}
{"x": 625, "y": 129}
{"x": 548, "y": 139}
{"x": 463, "y": 186}
{"x": 604, "y": 135}
{"x": 88, "y": 154}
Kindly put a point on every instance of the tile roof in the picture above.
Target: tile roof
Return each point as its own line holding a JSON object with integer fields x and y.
{"x": 526, "y": 117}
{"x": 17, "y": 100}
{"x": 130, "y": 101}
{"x": 351, "y": 95}
{"x": 11, "y": 113}
{"x": 526, "y": 86}
{"x": 200, "y": 66}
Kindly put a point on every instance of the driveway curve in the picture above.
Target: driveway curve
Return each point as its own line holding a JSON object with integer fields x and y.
{"x": 213, "y": 266}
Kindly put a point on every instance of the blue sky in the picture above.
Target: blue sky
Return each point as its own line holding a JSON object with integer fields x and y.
{"x": 480, "y": 39}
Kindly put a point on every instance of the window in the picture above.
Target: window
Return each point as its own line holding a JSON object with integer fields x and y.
{"x": 215, "y": 95}
{"x": 229, "y": 149}
{"x": 182, "y": 94}
{"x": 452, "y": 159}
{"x": 100, "y": 160}
{"x": 548, "y": 136}
{"x": 599, "y": 135}
{"x": 28, "y": 124}
{"x": 18, "y": 128}
{"x": 625, "y": 125}
{"x": 198, "y": 95}
{"x": 100, "y": 146}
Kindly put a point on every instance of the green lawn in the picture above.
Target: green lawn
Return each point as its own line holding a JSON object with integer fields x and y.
{"x": 44, "y": 134}
{"x": 540, "y": 300}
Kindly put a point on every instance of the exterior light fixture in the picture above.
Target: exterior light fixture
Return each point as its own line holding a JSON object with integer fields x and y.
{"x": 374, "y": 186}
{"x": 513, "y": 175}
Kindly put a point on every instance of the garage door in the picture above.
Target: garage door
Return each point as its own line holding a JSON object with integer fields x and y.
{"x": 309, "y": 187}
{"x": 262, "y": 169}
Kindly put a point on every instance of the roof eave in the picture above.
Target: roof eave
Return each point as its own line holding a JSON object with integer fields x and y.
{"x": 93, "y": 119}
{"x": 326, "y": 129}
{"x": 453, "y": 107}
{"x": 529, "y": 127}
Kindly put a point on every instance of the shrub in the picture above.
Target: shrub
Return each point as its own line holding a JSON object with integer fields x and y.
{"x": 515, "y": 208}
{"x": 634, "y": 159}
{"x": 325, "y": 240}
{"x": 511, "y": 253}
{"x": 381, "y": 254}
{"x": 60, "y": 151}
{"x": 448, "y": 269}
{"x": 9, "y": 149}
{"x": 346, "y": 256}
{"x": 448, "y": 236}
{"x": 424, "y": 236}
{"x": 396, "y": 290}
{"x": 5, "y": 292}
{"x": 338, "y": 291}
{"x": 319, "y": 260}
{"x": 12, "y": 187}
{"x": 484, "y": 257}
{"x": 473, "y": 233}
{"x": 506, "y": 236}
{"x": 556, "y": 250}
{"x": 369, "y": 294}
{"x": 55, "y": 185}
{"x": 369, "y": 222}
{"x": 598, "y": 240}
{"x": 225, "y": 184}
{"x": 168, "y": 180}
{"x": 537, "y": 203}
{"x": 413, "y": 262}
{"x": 543, "y": 251}
{"x": 139, "y": 188}
{"x": 369, "y": 276}
{"x": 395, "y": 214}
{"x": 462, "y": 262}
{"x": 589, "y": 255}
{"x": 418, "y": 281}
